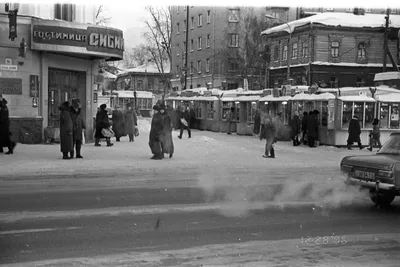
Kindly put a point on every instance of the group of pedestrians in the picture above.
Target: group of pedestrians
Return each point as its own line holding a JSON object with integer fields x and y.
{"x": 5, "y": 133}
{"x": 72, "y": 129}
{"x": 354, "y": 132}
{"x": 308, "y": 126}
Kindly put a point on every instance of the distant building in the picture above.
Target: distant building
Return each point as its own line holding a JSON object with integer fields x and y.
{"x": 331, "y": 49}
{"x": 147, "y": 77}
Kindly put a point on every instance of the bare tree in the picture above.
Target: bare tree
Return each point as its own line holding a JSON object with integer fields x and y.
{"x": 244, "y": 48}
{"x": 158, "y": 40}
{"x": 101, "y": 19}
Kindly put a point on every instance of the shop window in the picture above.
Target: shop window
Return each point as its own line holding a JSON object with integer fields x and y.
{"x": 324, "y": 113}
{"x": 394, "y": 116}
{"x": 197, "y": 109}
{"x": 233, "y": 40}
{"x": 335, "y": 49}
{"x": 284, "y": 54}
{"x": 305, "y": 50}
{"x": 251, "y": 111}
{"x": 369, "y": 114}
{"x": 359, "y": 112}
{"x": 285, "y": 113}
{"x": 226, "y": 106}
{"x": 361, "y": 52}
{"x": 384, "y": 115}
{"x": 347, "y": 114}
{"x": 294, "y": 51}
{"x": 149, "y": 104}
{"x": 210, "y": 110}
{"x": 233, "y": 15}
{"x": 237, "y": 111}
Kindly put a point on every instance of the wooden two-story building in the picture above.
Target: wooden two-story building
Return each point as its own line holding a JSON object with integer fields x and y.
{"x": 332, "y": 49}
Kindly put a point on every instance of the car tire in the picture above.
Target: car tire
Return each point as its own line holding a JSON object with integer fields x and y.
{"x": 382, "y": 199}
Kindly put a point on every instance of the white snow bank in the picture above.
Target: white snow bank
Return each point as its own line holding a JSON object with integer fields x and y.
{"x": 358, "y": 251}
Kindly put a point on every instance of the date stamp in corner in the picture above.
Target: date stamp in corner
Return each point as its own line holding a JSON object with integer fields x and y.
{"x": 324, "y": 240}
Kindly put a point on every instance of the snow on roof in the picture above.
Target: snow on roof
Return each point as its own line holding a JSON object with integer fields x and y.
{"x": 336, "y": 19}
{"x": 130, "y": 94}
{"x": 276, "y": 99}
{"x": 384, "y": 76}
{"x": 392, "y": 97}
{"x": 251, "y": 92}
{"x": 150, "y": 67}
{"x": 314, "y": 97}
{"x": 248, "y": 98}
{"x": 108, "y": 75}
{"x": 357, "y": 98}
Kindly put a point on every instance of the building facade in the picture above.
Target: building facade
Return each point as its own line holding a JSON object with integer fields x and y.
{"x": 320, "y": 51}
{"x": 214, "y": 39}
{"x": 63, "y": 49}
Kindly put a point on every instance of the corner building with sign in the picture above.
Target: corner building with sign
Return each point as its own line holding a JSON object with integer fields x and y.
{"x": 61, "y": 59}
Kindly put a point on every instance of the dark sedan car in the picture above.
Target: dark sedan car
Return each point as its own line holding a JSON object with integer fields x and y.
{"x": 380, "y": 173}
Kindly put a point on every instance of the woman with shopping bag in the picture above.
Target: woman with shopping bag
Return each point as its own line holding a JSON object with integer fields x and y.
{"x": 103, "y": 126}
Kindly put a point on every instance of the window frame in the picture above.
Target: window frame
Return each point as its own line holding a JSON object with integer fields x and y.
{"x": 335, "y": 49}
{"x": 210, "y": 107}
{"x": 285, "y": 52}
{"x": 199, "y": 42}
{"x": 304, "y": 49}
{"x": 191, "y": 45}
{"x": 200, "y": 20}
{"x": 231, "y": 15}
{"x": 295, "y": 50}
{"x": 199, "y": 66}
{"x": 361, "y": 51}
{"x": 207, "y": 65}
{"x": 208, "y": 40}
{"x": 208, "y": 16}
{"x": 177, "y": 28}
{"x": 192, "y": 23}
{"x": 234, "y": 40}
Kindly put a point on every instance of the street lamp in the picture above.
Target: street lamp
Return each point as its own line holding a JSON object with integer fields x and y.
{"x": 288, "y": 46}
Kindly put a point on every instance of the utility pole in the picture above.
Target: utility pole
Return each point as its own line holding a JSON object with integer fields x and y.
{"x": 385, "y": 41}
{"x": 187, "y": 43}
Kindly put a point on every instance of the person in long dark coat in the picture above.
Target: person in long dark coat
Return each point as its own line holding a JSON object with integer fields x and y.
{"x": 155, "y": 134}
{"x": 130, "y": 123}
{"x": 186, "y": 116}
{"x": 354, "y": 133}
{"x": 257, "y": 122}
{"x": 375, "y": 135}
{"x": 5, "y": 133}
{"x": 66, "y": 130}
{"x": 79, "y": 127}
{"x": 102, "y": 122}
{"x": 268, "y": 132}
{"x": 311, "y": 129}
{"x": 304, "y": 127}
{"x": 118, "y": 123}
{"x": 295, "y": 125}
{"x": 167, "y": 144}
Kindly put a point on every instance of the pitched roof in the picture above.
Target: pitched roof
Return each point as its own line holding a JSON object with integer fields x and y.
{"x": 336, "y": 19}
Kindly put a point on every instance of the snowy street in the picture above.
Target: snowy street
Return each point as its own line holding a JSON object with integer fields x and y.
{"x": 217, "y": 202}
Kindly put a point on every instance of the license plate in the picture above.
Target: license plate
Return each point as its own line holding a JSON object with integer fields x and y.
{"x": 365, "y": 175}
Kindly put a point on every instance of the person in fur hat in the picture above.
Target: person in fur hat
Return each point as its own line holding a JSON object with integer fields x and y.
{"x": 5, "y": 133}
{"x": 155, "y": 134}
{"x": 66, "y": 130}
{"x": 78, "y": 127}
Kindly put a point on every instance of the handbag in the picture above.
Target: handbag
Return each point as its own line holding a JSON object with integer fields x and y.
{"x": 107, "y": 132}
{"x": 136, "y": 132}
{"x": 83, "y": 138}
{"x": 184, "y": 122}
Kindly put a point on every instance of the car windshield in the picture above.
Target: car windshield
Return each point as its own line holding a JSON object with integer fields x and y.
{"x": 391, "y": 146}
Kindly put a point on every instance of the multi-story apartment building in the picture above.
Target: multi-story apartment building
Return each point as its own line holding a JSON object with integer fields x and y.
{"x": 303, "y": 12}
{"x": 53, "y": 58}
{"x": 213, "y": 37}
{"x": 332, "y": 49}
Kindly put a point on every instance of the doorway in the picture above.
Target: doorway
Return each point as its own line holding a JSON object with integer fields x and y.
{"x": 64, "y": 85}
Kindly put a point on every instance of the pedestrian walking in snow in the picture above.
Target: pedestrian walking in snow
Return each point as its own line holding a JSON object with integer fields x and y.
{"x": 155, "y": 134}
{"x": 230, "y": 118}
{"x": 257, "y": 122}
{"x": 79, "y": 127}
{"x": 354, "y": 133}
{"x": 304, "y": 127}
{"x": 312, "y": 131}
{"x": 295, "y": 125}
{"x": 102, "y": 122}
{"x": 66, "y": 130}
{"x": 184, "y": 123}
{"x": 5, "y": 133}
{"x": 118, "y": 123}
{"x": 268, "y": 132}
{"x": 167, "y": 144}
{"x": 375, "y": 135}
{"x": 130, "y": 119}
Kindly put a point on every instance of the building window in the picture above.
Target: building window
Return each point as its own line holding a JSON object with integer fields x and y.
{"x": 361, "y": 53}
{"x": 276, "y": 53}
{"x": 233, "y": 65}
{"x": 209, "y": 16}
{"x": 197, "y": 109}
{"x": 64, "y": 12}
{"x": 208, "y": 41}
{"x": 177, "y": 70}
{"x": 207, "y": 65}
{"x": 389, "y": 115}
{"x": 284, "y": 54}
{"x": 305, "y": 50}
{"x": 192, "y": 25}
{"x": 199, "y": 41}
{"x": 191, "y": 45}
{"x": 335, "y": 49}
{"x": 191, "y": 67}
{"x": 251, "y": 111}
{"x": 210, "y": 110}
{"x": 369, "y": 114}
{"x": 140, "y": 85}
{"x": 360, "y": 82}
{"x": 294, "y": 51}
{"x": 334, "y": 82}
{"x": 234, "y": 40}
{"x": 233, "y": 15}
{"x": 200, "y": 20}
{"x": 199, "y": 66}
{"x": 177, "y": 28}
{"x": 184, "y": 25}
